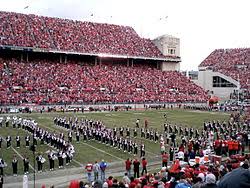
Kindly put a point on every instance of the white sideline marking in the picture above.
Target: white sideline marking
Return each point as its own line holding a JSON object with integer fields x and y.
{"x": 18, "y": 154}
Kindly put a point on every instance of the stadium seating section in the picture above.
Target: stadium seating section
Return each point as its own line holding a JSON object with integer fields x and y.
{"x": 231, "y": 62}
{"x": 52, "y": 82}
{"x": 75, "y": 36}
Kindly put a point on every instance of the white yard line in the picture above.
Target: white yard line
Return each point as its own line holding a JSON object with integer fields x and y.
{"x": 18, "y": 154}
{"x": 80, "y": 164}
{"x": 103, "y": 151}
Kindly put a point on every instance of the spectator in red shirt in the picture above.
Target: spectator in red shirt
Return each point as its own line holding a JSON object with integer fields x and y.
{"x": 144, "y": 166}
{"x": 89, "y": 169}
{"x": 128, "y": 164}
{"x": 165, "y": 159}
{"x": 132, "y": 183}
{"x": 110, "y": 181}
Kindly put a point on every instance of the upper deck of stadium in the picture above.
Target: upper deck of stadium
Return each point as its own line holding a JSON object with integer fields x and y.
{"x": 69, "y": 36}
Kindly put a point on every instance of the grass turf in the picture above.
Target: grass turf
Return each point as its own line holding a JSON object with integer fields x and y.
{"x": 91, "y": 150}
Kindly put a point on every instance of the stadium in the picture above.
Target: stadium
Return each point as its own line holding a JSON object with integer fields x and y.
{"x": 83, "y": 103}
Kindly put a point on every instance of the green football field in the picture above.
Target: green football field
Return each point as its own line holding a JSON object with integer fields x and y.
{"x": 91, "y": 151}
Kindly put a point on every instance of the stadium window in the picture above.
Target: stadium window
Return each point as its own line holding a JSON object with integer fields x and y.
{"x": 221, "y": 82}
{"x": 171, "y": 51}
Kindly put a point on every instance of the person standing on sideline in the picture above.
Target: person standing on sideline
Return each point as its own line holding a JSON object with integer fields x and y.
{"x": 26, "y": 165}
{"x": 1, "y": 181}
{"x": 77, "y": 136}
{"x": 14, "y": 165}
{"x": 8, "y": 141}
{"x": 171, "y": 152}
{"x": 27, "y": 141}
{"x": 128, "y": 164}
{"x": 96, "y": 169}
{"x": 60, "y": 158}
{"x": 137, "y": 122}
{"x": 17, "y": 141}
{"x": 1, "y": 166}
{"x": 142, "y": 149}
{"x": 164, "y": 159}
{"x": 51, "y": 157}
{"x": 126, "y": 179}
{"x": 89, "y": 169}
{"x": 103, "y": 166}
{"x": 39, "y": 162}
{"x": 144, "y": 166}
{"x": 136, "y": 164}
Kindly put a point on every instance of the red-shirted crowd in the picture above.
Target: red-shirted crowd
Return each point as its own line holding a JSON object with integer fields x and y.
{"x": 69, "y": 35}
{"x": 48, "y": 82}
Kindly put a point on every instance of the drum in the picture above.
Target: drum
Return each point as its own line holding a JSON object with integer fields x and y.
{"x": 43, "y": 160}
{"x": 64, "y": 156}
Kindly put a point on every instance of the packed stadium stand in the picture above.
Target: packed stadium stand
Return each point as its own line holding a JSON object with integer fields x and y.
{"x": 68, "y": 35}
{"x": 35, "y": 74}
{"x": 231, "y": 62}
{"x": 53, "y": 82}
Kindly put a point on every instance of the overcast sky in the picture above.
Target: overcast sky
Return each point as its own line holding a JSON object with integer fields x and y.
{"x": 201, "y": 25}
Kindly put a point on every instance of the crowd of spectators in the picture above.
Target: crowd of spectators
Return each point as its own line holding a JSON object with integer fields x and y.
{"x": 50, "y": 82}
{"x": 234, "y": 63}
{"x": 197, "y": 176}
{"x": 69, "y": 35}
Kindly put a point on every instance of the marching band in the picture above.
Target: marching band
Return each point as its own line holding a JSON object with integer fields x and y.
{"x": 64, "y": 149}
{"x": 224, "y": 138}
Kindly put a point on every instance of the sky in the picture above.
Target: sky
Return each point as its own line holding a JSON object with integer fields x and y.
{"x": 201, "y": 25}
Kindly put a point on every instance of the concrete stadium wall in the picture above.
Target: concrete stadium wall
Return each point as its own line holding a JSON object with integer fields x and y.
{"x": 170, "y": 66}
{"x": 205, "y": 80}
